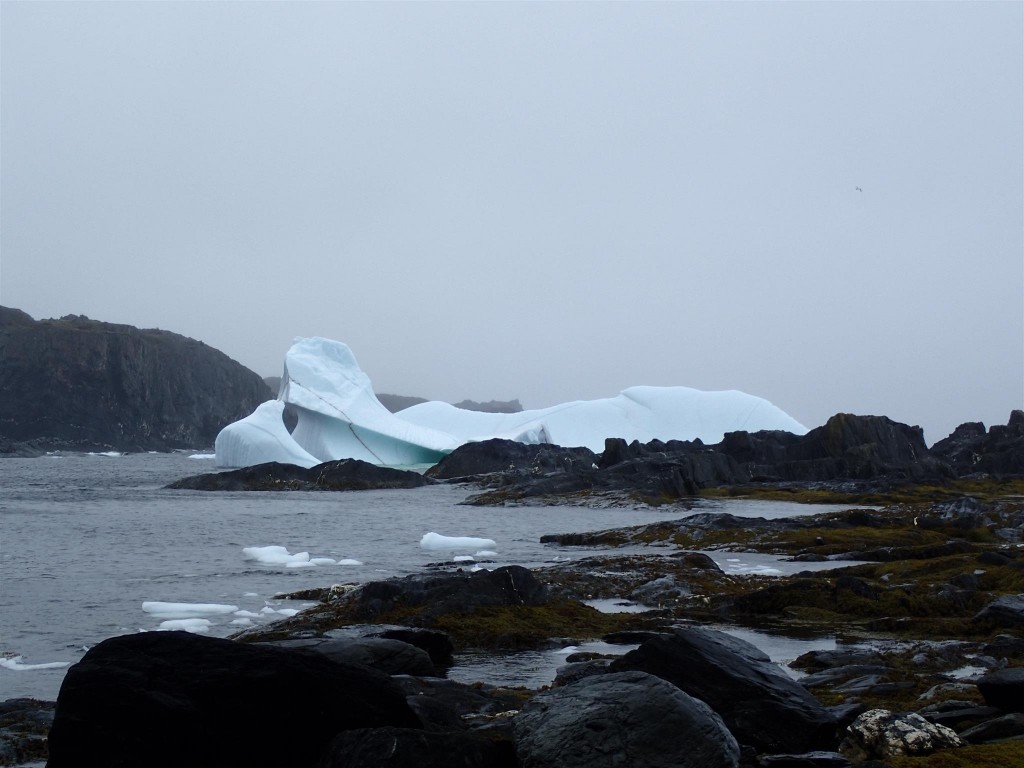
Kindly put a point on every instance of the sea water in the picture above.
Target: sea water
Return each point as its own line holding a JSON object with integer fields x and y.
{"x": 87, "y": 539}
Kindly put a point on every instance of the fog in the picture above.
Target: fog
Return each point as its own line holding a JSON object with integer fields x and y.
{"x": 815, "y": 203}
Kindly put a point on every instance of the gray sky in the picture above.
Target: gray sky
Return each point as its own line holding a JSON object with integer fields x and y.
{"x": 549, "y": 201}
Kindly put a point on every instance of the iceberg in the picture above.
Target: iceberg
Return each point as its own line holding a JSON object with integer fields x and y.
{"x": 339, "y": 417}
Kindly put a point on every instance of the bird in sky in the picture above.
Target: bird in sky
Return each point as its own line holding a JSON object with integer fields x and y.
{"x": 858, "y": 189}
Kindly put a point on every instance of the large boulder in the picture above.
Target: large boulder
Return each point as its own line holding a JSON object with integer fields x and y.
{"x": 1006, "y": 611}
{"x": 1004, "y": 689}
{"x": 880, "y": 734}
{"x": 760, "y": 704}
{"x": 624, "y": 719}
{"x": 172, "y": 698}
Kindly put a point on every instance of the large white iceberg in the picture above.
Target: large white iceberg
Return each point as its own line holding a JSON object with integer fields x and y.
{"x": 339, "y": 417}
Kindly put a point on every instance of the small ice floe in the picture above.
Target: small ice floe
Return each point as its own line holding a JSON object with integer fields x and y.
{"x": 163, "y": 610}
{"x": 247, "y": 614}
{"x": 17, "y": 664}
{"x": 275, "y": 555}
{"x": 435, "y": 541}
{"x": 241, "y": 622}
{"x": 203, "y": 456}
{"x": 111, "y": 454}
{"x": 486, "y": 553}
{"x": 196, "y": 626}
{"x": 463, "y": 559}
{"x": 349, "y": 561}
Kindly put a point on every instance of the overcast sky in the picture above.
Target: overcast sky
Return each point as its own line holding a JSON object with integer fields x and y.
{"x": 816, "y": 203}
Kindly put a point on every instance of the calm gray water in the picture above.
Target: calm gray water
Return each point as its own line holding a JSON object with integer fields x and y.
{"x": 85, "y": 540}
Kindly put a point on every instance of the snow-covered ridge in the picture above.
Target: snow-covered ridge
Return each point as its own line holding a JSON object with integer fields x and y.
{"x": 339, "y": 417}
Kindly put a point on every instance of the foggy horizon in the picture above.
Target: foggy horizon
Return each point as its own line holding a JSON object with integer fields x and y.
{"x": 819, "y": 204}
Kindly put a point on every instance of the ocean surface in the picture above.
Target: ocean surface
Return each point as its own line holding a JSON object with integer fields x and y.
{"x": 87, "y": 539}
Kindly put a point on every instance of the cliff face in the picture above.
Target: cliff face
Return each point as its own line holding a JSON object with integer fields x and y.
{"x": 80, "y": 384}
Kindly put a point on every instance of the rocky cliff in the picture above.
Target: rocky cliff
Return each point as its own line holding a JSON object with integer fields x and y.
{"x": 80, "y": 384}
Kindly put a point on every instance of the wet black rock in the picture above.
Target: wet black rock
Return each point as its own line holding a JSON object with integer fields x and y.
{"x": 999, "y": 451}
{"x": 152, "y": 698}
{"x": 437, "y": 644}
{"x": 958, "y": 715}
{"x": 496, "y": 455}
{"x": 404, "y": 747}
{"x": 1004, "y": 689}
{"x": 870, "y": 452}
{"x": 1006, "y": 611}
{"x": 805, "y": 760}
{"x": 829, "y": 658}
{"x": 24, "y": 725}
{"x": 392, "y": 657}
{"x": 762, "y": 706}
{"x": 477, "y": 706}
{"x": 448, "y": 593}
{"x": 1001, "y": 728}
{"x": 343, "y": 475}
{"x": 628, "y": 718}
{"x": 830, "y": 677}
{"x": 80, "y": 384}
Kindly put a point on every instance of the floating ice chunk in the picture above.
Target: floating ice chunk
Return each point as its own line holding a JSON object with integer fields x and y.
{"x": 185, "y": 610}
{"x": 247, "y": 614}
{"x": 435, "y": 541}
{"x": 196, "y": 626}
{"x": 15, "y": 664}
{"x": 350, "y": 561}
{"x": 463, "y": 559}
{"x": 272, "y": 555}
{"x": 242, "y": 622}
{"x": 268, "y": 610}
{"x": 276, "y": 555}
{"x": 339, "y": 417}
{"x": 203, "y": 456}
{"x": 111, "y": 454}
{"x": 486, "y": 553}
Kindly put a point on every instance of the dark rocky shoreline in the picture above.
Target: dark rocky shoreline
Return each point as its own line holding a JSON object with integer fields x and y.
{"x": 930, "y": 671}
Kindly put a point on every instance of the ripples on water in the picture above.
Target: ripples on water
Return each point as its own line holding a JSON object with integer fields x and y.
{"x": 86, "y": 539}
